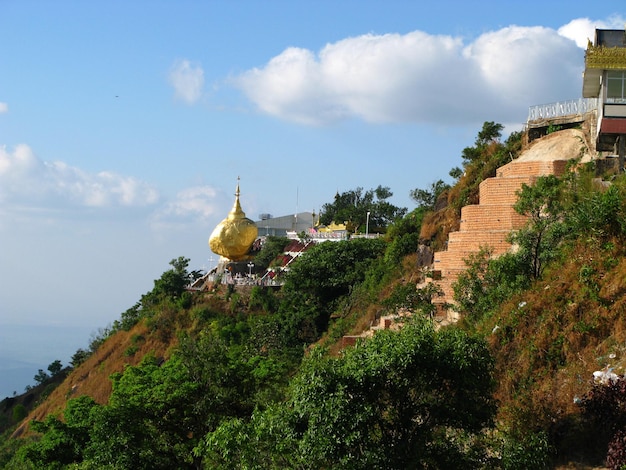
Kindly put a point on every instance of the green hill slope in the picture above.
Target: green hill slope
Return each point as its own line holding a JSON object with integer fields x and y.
{"x": 256, "y": 378}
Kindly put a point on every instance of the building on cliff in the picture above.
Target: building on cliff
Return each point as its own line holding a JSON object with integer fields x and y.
{"x": 604, "y": 79}
{"x": 588, "y": 126}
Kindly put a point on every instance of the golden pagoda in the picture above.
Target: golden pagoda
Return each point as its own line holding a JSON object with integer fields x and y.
{"x": 233, "y": 236}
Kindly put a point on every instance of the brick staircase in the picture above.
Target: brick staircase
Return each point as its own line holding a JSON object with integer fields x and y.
{"x": 487, "y": 224}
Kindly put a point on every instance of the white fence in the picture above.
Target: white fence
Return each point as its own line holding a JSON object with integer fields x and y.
{"x": 562, "y": 108}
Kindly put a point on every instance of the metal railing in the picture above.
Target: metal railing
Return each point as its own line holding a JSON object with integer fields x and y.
{"x": 562, "y": 108}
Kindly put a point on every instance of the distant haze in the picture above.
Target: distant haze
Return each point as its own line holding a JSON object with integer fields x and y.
{"x": 26, "y": 349}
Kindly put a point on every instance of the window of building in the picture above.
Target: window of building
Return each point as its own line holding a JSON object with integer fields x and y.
{"x": 616, "y": 87}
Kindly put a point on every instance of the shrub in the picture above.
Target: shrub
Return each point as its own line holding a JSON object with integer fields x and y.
{"x": 19, "y": 413}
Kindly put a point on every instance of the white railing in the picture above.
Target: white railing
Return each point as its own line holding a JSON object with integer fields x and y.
{"x": 562, "y": 108}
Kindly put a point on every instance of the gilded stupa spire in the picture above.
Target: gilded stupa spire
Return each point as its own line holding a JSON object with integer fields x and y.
{"x": 233, "y": 236}
{"x": 237, "y": 212}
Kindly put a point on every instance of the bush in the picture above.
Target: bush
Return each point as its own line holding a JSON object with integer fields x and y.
{"x": 528, "y": 450}
{"x": 263, "y": 298}
{"x": 604, "y": 408}
{"x": 19, "y": 413}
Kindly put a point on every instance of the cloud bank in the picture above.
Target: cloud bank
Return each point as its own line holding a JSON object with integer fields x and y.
{"x": 418, "y": 77}
{"x": 31, "y": 187}
{"x": 187, "y": 80}
{"x": 4, "y": 107}
{"x": 26, "y": 180}
{"x": 191, "y": 205}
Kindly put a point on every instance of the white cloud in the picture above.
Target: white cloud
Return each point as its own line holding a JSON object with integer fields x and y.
{"x": 187, "y": 80}
{"x": 4, "y": 107}
{"x": 580, "y": 30}
{"x": 527, "y": 66}
{"x": 195, "y": 204}
{"x": 419, "y": 77}
{"x": 583, "y": 30}
{"x": 27, "y": 181}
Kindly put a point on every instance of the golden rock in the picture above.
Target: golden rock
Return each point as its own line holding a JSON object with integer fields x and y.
{"x": 233, "y": 236}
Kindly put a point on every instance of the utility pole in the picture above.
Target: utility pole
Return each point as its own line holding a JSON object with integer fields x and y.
{"x": 622, "y": 150}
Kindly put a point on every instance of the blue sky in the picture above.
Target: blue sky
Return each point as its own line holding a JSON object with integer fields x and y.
{"x": 124, "y": 125}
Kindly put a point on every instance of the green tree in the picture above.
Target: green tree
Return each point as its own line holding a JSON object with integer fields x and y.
{"x": 600, "y": 214}
{"x": 172, "y": 282}
{"x": 403, "y": 235}
{"x": 130, "y": 317}
{"x": 272, "y": 248}
{"x": 407, "y": 399}
{"x": 352, "y": 207}
{"x": 159, "y": 410}
{"x": 19, "y": 413}
{"x": 79, "y": 357}
{"x": 456, "y": 173}
{"x": 542, "y": 204}
{"x": 488, "y": 281}
{"x": 427, "y": 198}
{"x": 55, "y": 367}
{"x": 408, "y": 296}
{"x": 329, "y": 270}
{"x": 63, "y": 442}
{"x": 41, "y": 376}
{"x": 489, "y": 134}
{"x": 149, "y": 419}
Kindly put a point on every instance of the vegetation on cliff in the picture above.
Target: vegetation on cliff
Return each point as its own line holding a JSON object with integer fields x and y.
{"x": 256, "y": 379}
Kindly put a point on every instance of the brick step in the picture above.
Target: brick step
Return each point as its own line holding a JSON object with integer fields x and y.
{"x": 490, "y": 217}
{"x": 502, "y": 190}
{"x": 475, "y": 240}
{"x": 451, "y": 262}
{"x": 532, "y": 168}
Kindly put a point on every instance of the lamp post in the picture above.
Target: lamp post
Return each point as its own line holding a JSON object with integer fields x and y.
{"x": 250, "y": 266}
{"x": 367, "y": 225}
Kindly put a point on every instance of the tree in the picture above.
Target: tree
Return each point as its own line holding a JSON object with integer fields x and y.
{"x": 63, "y": 442}
{"x": 600, "y": 214}
{"x": 351, "y": 207}
{"x": 489, "y": 134}
{"x": 159, "y": 411}
{"x": 409, "y": 297}
{"x": 41, "y": 376}
{"x": 329, "y": 270}
{"x": 409, "y": 399}
{"x": 79, "y": 357}
{"x": 19, "y": 413}
{"x": 456, "y": 173}
{"x": 427, "y": 198}
{"x": 149, "y": 420}
{"x": 272, "y": 248}
{"x": 173, "y": 281}
{"x": 171, "y": 284}
{"x": 55, "y": 367}
{"x": 403, "y": 235}
{"x": 542, "y": 204}
{"x": 488, "y": 281}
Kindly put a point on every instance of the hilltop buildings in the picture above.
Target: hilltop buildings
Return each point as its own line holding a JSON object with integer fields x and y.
{"x": 589, "y": 126}
{"x": 604, "y": 79}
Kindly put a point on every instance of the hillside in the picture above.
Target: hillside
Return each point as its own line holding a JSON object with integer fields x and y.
{"x": 258, "y": 378}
